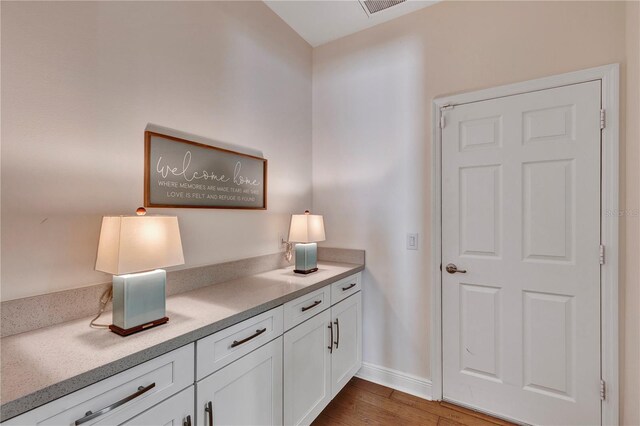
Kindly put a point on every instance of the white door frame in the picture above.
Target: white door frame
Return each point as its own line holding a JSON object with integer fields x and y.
{"x": 609, "y": 75}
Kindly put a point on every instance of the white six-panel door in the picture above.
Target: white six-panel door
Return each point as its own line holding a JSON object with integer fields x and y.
{"x": 521, "y": 215}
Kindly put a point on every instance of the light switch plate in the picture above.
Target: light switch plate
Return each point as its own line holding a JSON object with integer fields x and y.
{"x": 412, "y": 241}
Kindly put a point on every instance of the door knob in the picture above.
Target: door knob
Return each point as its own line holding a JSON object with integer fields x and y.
{"x": 452, "y": 269}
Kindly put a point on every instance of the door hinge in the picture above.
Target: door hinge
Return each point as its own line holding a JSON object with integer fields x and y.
{"x": 601, "y": 254}
{"x": 442, "y": 109}
{"x": 603, "y": 119}
{"x": 603, "y": 390}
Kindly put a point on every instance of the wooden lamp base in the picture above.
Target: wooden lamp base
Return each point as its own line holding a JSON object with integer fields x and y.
{"x": 308, "y": 271}
{"x": 129, "y": 331}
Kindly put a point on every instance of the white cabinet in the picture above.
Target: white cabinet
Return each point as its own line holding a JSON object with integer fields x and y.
{"x": 320, "y": 356}
{"x": 345, "y": 288}
{"x": 307, "y": 372}
{"x": 221, "y": 348}
{"x": 119, "y": 397}
{"x": 346, "y": 358}
{"x": 177, "y": 410}
{"x": 246, "y": 392}
{"x": 304, "y": 307}
{"x": 247, "y": 374}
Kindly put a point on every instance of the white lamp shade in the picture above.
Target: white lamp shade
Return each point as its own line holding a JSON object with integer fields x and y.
{"x": 306, "y": 228}
{"x": 138, "y": 243}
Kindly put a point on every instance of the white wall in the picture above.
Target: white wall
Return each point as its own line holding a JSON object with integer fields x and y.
{"x": 372, "y": 95}
{"x": 371, "y": 184}
{"x": 81, "y": 80}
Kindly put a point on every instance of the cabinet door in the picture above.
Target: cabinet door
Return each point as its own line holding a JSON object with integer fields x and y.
{"x": 175, "y": 411}
{"x": 246, "y": 392}
{"x": 307, "y": 375}
{"x": 346, "y": 359}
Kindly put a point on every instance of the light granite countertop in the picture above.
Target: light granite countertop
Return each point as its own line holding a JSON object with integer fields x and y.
{"x": 45, "y": 364}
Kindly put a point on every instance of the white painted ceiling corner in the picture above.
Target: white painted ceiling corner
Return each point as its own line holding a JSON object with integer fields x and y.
{"x": 322, "y": 21}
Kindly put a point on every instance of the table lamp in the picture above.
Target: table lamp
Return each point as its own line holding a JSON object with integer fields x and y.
{"x": 132, "y": 248}
{"x": 306, "y": 229}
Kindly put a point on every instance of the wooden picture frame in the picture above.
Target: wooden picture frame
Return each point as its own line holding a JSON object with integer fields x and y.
{"x": 172, "y": 180}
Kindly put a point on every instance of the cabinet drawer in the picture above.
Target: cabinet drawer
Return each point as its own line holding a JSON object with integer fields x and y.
{"x": 177, "y": 410}
{"x": 128, "y": 393}
{"x": 219, "y": 349}
{"x": 345, "y": 287}
{"x": 304, "y": 307}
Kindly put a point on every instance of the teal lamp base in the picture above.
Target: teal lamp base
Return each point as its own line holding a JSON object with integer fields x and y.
{"x": 138, "y": 301}
{"x": 306, "y": 258}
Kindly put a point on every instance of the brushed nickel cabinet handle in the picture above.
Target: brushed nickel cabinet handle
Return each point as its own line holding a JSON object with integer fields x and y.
{"x": 90, "y": 415}
{"x": 331, "y": 341}
{"x": 337, "y": 342}
{"x": 209, "y": 410}
{"x": 187, "y": 421}
{"x": 452, "y": 269}
{"x": 245, "y": 340}
{"x": 313, "y": 305}
{"x": 348, "y": 287}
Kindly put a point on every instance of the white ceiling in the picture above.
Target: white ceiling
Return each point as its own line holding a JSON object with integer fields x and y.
{"x": 321, "y": 21}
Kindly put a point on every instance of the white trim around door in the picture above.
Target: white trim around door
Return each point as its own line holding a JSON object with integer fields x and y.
{"x": 609, "y": 76}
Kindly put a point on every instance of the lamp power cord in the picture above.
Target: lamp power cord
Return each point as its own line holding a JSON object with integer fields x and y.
{"x": 104, "y": 299}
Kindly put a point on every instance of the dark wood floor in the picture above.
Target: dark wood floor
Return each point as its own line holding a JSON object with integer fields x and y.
{"x": 366, "y": 403}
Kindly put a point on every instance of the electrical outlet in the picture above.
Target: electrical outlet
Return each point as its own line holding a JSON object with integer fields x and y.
{"x": 412, "y": 241}
{"x": 281, "y": 242}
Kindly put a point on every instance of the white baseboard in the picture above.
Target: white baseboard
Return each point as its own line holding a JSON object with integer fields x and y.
{"x": 395, "y": 379}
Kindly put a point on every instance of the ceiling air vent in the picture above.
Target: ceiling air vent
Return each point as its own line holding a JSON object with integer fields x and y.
{"x": 375, "y": 6}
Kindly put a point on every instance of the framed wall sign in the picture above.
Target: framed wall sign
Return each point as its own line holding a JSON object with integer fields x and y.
{"x": 186, "y": 174}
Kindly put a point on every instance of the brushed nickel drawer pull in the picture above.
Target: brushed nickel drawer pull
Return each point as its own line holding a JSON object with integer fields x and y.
{"x": 348, "y": 287}
{"x": 313, "y": 305}
{"x": 245, "y": 340}
{"x": 90, "y": 415}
